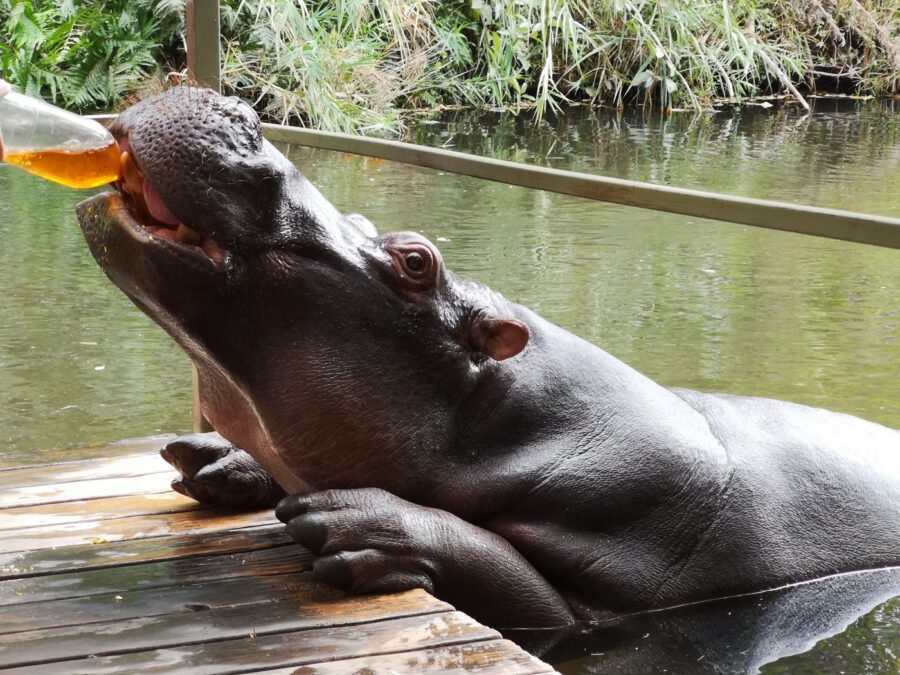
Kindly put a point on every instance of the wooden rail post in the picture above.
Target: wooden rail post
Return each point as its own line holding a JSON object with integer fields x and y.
{"x": 202, "y": 36}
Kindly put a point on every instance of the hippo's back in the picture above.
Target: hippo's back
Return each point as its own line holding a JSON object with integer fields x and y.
{"x": 799, "y": 434}
{"x": 814, "y": 492}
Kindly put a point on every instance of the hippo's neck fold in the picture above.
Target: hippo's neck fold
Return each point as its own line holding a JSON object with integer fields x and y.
{"x": 565, "y": 406}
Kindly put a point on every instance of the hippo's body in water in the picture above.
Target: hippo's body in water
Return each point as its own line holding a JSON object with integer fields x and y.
{"x": 430, "y": 433}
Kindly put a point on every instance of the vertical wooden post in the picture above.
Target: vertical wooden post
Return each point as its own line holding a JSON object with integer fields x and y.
{"x": 203, "y": 36}
{"x": 200, "y": 422}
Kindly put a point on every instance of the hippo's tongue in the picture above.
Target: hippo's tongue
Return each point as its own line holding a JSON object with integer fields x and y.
{"x": 156, "y": 207}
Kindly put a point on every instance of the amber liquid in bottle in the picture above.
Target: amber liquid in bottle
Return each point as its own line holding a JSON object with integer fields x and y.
{"x": 77, "y": 169}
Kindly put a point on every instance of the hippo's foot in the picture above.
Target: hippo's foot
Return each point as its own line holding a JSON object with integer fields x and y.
{"x": 370, "y": 541}
{"x": 214, "y": 471}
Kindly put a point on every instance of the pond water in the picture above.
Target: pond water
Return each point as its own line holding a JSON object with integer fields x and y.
{"x": 692, "y": 303}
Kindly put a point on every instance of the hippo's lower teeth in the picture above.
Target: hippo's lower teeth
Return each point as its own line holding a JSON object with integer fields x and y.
{"x": 185, "y": 235}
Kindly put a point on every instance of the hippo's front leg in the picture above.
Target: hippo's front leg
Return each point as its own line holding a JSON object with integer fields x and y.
{"x": 370, "y": 541}
{"x": 215, "y": 471}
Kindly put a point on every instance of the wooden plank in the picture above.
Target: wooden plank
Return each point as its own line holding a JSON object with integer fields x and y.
{"x": 116, "y": 467}
{"x": 128, "y": 604}
{"x": 493, "y": 657}
{"x": 86, "y": 489}
{"x": 86, "y": 454}
{"x": 812, "y": 220}
{"x": 156, "y": 575}
{"x": 287, "y": 614}
{"x": 104, "y": 508}
{"x": 83, "y": 532}
{"x": 254, "y": 652}
{"x": 75, "y": 558}
{"x": 192, "y": 589}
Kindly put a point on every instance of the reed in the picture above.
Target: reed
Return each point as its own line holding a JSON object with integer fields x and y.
{"x": 357, "y": 65}
{"x": 354, "y": 65}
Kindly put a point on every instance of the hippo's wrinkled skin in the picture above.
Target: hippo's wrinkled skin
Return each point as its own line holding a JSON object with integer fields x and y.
{"x": 431, "y": 433}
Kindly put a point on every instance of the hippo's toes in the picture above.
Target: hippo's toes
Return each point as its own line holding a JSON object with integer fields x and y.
{"x": 368, "y": 540}
{"x": 216, "y": 472}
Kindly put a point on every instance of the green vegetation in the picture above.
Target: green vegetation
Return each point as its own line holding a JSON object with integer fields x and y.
{"x": 86, "y": 54}
{"x": 354, "y": 64}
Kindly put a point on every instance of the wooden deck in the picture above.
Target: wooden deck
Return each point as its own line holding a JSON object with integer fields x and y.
{"x": 103, "y": 569}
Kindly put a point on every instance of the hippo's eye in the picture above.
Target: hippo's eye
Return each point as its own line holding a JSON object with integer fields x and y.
{"x": 415, "y": 262}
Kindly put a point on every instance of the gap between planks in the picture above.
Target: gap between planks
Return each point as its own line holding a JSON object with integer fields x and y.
{"x": 257, "y": 651}
{"x": 488, "y": 657}
{"x": 83, "y": 532}
{"x": 156, "y": 575}
{"x": 117, "y": 554}
{"x": 290, "y": 614}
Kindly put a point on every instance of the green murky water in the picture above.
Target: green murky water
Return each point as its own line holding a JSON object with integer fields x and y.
{"x": 689, "y": 302}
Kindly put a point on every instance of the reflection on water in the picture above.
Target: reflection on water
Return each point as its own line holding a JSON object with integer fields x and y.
{"x": 782, "y": 631}
{"x": 841, "y": 156}
{"x": 689, "y": 302}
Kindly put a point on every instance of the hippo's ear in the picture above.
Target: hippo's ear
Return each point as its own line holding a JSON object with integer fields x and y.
{"x": 499, "y": 338}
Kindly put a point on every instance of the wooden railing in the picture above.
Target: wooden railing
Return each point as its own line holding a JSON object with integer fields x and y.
{"x": 831, "y": 223}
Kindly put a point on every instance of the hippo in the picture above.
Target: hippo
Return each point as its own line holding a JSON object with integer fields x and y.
{"x": 418, "y": 430}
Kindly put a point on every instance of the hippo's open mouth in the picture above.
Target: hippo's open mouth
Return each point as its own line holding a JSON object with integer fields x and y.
{"x": 150, "y": 215}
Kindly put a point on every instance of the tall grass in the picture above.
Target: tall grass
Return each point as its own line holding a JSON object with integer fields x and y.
{"x": 340, "y": 65}
{"x": 356, "y": 65}
{"x": 353, "y": 65}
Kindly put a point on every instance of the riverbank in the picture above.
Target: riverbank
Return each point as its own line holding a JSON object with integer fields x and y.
{"x": 359, "y": 66}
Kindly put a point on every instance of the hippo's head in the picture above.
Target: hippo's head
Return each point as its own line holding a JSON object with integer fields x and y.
{"x": 317, "y": 341}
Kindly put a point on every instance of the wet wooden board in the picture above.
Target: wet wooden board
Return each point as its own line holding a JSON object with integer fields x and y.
{"x": 120, "y": 467}
{"x": 293, "y": 609}
{"x": 106, "y": 508}
{"x": 59, "y": 493}
{"x": 124, "y": 605}
{"x": 252, "y": 651}
{"x": 93, "y": 556}
{"x": 107, "y": 571}
{"x": 175, "y": 572}
{"x": 492, "y": 657}
{"x": 88, "y": 454}
{"x": 139, "y": 527}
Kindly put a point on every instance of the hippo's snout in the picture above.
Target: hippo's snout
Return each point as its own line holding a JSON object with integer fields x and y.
{"x": 197, "y": 172}
{"x": 151, "y": 212}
